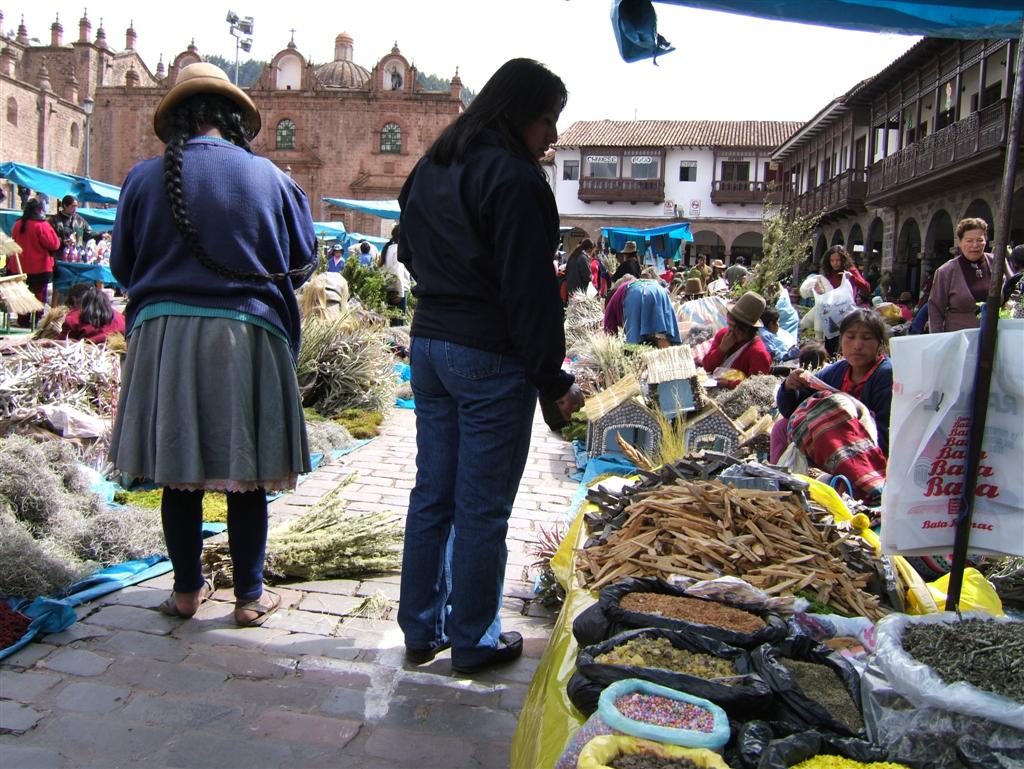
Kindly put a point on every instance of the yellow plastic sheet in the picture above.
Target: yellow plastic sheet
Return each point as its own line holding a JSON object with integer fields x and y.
{"x": 976, "y": 594}
{"x": 601, "y": 751}
{"x": 548, "y": 718}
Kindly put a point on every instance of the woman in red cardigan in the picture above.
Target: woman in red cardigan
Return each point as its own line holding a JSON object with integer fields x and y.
{"x": 739, "y": 346}
{"x": 37, "y": 239}
{"x": 92, "y": 317}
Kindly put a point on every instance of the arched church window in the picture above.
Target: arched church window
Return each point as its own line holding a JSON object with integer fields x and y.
{"x": 285, "y": 135}
{"x": 391, "y": 138}
{"x": 74, "y": 134}
{"x": 12, "y": 111}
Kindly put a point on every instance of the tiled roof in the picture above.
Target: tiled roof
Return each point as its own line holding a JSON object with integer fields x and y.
{"x": 677, "y": 133}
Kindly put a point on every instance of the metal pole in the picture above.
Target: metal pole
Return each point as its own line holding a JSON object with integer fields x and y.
{"x": 88, "y": 120}
{"x": 237, "y": 42}
{"x": 987, "y": 342}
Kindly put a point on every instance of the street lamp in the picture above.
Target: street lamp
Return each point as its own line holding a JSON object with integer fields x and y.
{"x": 240, "y": 25}
{"x": 88, "y": 104}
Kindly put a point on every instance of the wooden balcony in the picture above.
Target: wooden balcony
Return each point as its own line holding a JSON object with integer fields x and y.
{"x": 964, "y": 150}
{"x": 616, "y": 190}
{"x": 723, "y": 192}
{"x": 832, "y": 199}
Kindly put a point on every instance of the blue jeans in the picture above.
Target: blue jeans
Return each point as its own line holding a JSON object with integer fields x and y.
{"x": 474, "y": 414}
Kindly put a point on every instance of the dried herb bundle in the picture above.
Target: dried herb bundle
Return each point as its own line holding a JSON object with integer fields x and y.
{"x": 79, "y": 374}
{"x": 325, "y": 543}
{"x": 758, "y": 391}
{"x": 983, "y": 653}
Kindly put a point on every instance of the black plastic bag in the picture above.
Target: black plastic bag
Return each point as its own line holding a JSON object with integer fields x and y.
{"x": 775, "y": 628}
{"x": 583, "y": 693}
{"x": 792, "y": 703}
{"x": 790, "y": 751}
{"x": 748, "y": 743}
{"x": 591, "y": 626}
{"x": 748, "y": 696}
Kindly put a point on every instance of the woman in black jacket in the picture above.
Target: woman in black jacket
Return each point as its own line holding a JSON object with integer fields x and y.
{"x": 479, "y": 226}
{"x": 577, "y": 268}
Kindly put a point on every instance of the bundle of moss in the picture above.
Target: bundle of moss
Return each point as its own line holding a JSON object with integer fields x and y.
{"x": 758, "y": 391}
{"x": 343, "y": 366}
{"x": 326, "y": 436}
{"x": 53, "y": 529}
{"x": 325, "y": 543}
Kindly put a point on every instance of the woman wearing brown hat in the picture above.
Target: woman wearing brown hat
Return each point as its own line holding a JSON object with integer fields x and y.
{"x": 211, "y": 242}
{"x": 738, "y": 346}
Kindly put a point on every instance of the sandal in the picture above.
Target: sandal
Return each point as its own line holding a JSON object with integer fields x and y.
{"x": 170, "y": 605}
{"x": 264, "y": 606}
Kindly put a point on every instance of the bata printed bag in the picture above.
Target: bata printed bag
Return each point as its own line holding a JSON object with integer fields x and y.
{"x": 930, "y": 421}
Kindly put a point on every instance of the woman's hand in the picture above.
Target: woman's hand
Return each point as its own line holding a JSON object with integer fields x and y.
{"x": 797, "y": 380}
{"x": 728, "y": 341}
{"x": 571, "y": 402}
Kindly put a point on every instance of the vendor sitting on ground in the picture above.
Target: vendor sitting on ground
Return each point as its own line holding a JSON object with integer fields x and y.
{"x": 92, "y": 316}
{"x": 780, "y": 343}
{"x": 643, "y": 308}
{"x": 839, "y": 418}
{"x": 738, "y": 346}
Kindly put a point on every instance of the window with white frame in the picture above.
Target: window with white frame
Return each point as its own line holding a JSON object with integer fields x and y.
{"x": 642, "y": 167}
{"x": 687, "y": 170}
{"x": 602, "y": 166}
{"x": 571, "y": 170}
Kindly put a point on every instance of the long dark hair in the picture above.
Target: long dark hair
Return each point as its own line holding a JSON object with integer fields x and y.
{"x": 185, "y": 121}
{"x": 33, "y": 210}
{"x": 94, "y": 307}
{"x": 826, "y": 260}
{"x": 517, "y": 94}
{"x": 585, "y": 245}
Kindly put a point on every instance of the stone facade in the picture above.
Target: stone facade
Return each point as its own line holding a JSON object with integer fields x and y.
{"x": 340, "y": 129}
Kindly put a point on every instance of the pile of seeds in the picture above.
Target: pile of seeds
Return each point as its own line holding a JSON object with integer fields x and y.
{"x": 664, "y": 711}
{"x": 646, "y": 652}
{"x": 838, "y": 762}
{"x": 823, "y": 685}
{"x": 646, "y": 761}
{"x": 983, "y": 653}
{"x": 13, "y": 625}
{"x": 692, "y": 610}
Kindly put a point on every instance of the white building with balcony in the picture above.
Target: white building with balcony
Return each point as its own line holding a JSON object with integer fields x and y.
{"x": 647, "y": 173}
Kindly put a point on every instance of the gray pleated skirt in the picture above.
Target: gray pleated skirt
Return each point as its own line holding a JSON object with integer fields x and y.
{"x": 209, "y": 403}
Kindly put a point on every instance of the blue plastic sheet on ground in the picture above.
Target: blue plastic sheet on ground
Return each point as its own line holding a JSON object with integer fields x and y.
{"x": 606, "y": 464}
{"x": 51, "y": 615}
{"x": 404, "y": 372}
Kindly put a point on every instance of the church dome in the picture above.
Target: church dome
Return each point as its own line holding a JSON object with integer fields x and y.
{"x": 342, "y": 74}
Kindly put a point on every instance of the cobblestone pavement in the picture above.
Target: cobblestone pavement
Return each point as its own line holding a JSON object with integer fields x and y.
{"x": 315, "y": 687}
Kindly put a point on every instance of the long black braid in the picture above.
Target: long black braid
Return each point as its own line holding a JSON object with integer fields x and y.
{"x": 185, "y": 120}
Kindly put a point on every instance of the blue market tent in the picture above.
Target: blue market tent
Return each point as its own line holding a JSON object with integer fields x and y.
{"x": 385, "y": 209}
{"x": 636, "y": 26}
{"x": 100, "y": 219}
{"x": 330, "y": 230}
{"x": 353, "y": 238}
{"x": 57, "y": 185}
{"x": 664, "y": 240}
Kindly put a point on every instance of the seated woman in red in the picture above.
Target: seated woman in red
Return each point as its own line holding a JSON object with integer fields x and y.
{"x": 92, "y": 317}
{"x": 738, "y": 346}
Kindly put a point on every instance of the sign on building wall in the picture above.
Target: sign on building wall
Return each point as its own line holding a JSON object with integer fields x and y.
{"x": 695, "y": 208}
{"x": 670, "y": 208}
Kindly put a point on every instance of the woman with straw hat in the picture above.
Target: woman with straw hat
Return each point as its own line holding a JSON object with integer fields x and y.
{"x": 211, "y": 242}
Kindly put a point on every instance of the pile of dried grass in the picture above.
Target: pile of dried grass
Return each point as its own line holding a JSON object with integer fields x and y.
{"x": 756, "y": 391}
{"x": 53, "y": 529}
{"x": 600, "y": 360}
{"x": 345, "y": 365}
{"x": 84, "y": 375}
{"x": 327, "y": 436}
{"x": 583, "y": 315}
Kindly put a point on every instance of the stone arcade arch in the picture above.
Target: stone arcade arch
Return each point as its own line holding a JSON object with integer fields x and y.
{"x": 837, "y": 239}
{"x": 820, "y": 247}
{"x": 710, "y": 243}
{"x": 906, "y": 269}
{"x": 749, "y": 245}
{"x": 873, "y": 243}
{"x": 938, "y": 241}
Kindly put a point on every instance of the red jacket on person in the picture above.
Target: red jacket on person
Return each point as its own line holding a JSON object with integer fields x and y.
{"x": 75, "y": 328}
{"x": 37, "y": 239}
{"x": 754, "y": 360}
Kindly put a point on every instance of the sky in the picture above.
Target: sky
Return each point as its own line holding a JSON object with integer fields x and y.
{"x": 725, "y": 67}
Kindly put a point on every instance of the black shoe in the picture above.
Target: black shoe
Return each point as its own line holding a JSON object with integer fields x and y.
{"x": 509, "y": 649}
{"x": 423, "y": 656}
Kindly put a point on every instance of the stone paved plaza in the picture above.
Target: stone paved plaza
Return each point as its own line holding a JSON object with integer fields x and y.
{"x": 315, "y": 687}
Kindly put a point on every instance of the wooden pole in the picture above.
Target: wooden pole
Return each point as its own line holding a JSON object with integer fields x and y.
{"x": 987, "y": 342}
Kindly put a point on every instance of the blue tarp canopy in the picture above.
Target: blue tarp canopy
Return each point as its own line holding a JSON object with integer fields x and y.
{"x": 670, "y": 237}
{"x": 385, "y": 209}
{"x": 100, "y": 219}
{"x": 57, "y": 185}
{"x": 353, "y": 238}
{"x": 330, "y": 230}
{"x": 636, "y": 27}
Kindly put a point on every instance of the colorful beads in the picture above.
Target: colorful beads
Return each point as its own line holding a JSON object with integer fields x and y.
{"x": 664, "y": 711}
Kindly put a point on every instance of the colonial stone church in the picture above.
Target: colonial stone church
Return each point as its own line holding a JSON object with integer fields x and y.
{"x": 339, "y": 128}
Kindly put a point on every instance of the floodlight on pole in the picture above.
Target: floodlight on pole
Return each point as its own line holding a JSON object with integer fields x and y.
{"x": 240, "y": 25}
{"x": 88, "y": 104}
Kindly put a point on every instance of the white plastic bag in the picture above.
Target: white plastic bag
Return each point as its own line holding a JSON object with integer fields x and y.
{"x": 831, "y": 307}
{"x": 933, "y": 375}
{"x": 922, "y": 686}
